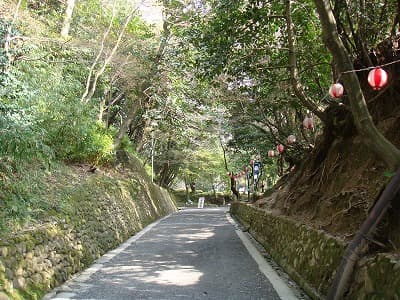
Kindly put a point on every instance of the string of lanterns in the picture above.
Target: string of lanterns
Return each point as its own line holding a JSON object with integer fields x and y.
{"x": 377, "y": 79}
{"x": 239, "y": 174}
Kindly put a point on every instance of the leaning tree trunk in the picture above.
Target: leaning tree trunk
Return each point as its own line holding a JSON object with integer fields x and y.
{"x": 294, "y": 72}
{"x": 375, "y": 140}
{"x": 98, "y": 56}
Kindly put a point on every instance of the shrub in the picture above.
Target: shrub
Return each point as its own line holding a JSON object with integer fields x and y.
{"x": 76, "y": 138}
{"x": 21, "y": 137}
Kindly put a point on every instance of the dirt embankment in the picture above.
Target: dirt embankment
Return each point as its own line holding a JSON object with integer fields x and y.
{"x": 340, "y": 180}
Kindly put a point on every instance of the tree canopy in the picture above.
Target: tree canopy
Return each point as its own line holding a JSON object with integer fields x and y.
{"x": 217, "y": 83}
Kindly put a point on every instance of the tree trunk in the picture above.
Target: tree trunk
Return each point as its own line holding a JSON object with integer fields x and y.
{"x": 125, "y": 125}
{"x": 224, "y": 152}
{"x": 145, "y": 86}
{"x": 354, "y": 249}
{"x": 105, "y": 105}
{"x": 213, "y": 189}
{"x": 166, "y": 168}
{"x": 383, "y": 148}
{"x": 67, "y": 18}
{"x": 97, "y": 58}
{"x": 233, "y": 188}
{"x": 294, "y": 72}
{"x": 108, "y": 59}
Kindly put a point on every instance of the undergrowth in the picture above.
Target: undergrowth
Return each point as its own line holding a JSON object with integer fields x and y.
{"x": 31, "y": 192}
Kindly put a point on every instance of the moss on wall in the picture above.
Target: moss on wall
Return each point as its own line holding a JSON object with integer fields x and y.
{"x": 103, "y": 211}
{"x": 311, "y": 257}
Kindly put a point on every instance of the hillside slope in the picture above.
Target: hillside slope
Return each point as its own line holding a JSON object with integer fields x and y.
{"x": 89, "y": 214}
{"x": 340, "y": 180}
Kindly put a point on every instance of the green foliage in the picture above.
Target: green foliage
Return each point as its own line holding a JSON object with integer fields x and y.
{"x": 23, "y": 197}
{"x": 75, "y": 137}
{"x": 7, "y": 57}
{"x": 44, "y": 6}
{"x": 241, "y": 49}
{"x": 389, "y": 174}
{"x": 35, "y": 126}
{"x": 42, "y": 120}
{"x": 20, "y": 138}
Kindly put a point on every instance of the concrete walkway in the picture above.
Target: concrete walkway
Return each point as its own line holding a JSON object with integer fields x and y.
{"x": 192, "y": 254}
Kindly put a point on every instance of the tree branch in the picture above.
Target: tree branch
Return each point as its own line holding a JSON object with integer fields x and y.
{"x": 294, "y": 73}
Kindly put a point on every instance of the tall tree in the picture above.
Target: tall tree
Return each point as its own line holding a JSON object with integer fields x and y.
{"x": 91, "y": 83}
{"x": 375, "y": 140}
{"x": 143, "y": 98}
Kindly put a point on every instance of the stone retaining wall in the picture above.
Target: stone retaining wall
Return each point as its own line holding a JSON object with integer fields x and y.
{"x": 38, "y": 259}
{"x": 311, "y": 257}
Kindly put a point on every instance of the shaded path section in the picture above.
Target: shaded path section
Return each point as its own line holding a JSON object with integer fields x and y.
{"x": 192, "y": 254}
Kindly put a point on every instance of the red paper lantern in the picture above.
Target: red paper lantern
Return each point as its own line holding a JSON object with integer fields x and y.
{"x": 291, "y": 139}
{"x": 271, "y": 153}
{"x": 336, "y": 90}
{"x": 308, "y": 123}
{"x": 280, "y": 148}
{"x": 377, "y": 78}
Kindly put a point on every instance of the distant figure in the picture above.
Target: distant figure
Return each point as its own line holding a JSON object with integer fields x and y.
{"x": 257, "y": 172}
{"x": 233, "y": 186}
{"x": 193, "y": 186}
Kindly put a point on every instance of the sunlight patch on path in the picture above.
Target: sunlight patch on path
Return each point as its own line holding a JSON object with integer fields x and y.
{"x": 179, "y": 277}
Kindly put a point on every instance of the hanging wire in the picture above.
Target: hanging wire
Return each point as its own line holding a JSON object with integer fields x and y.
{"x": 370, "y": 68}
{"x": 360, "y": 70}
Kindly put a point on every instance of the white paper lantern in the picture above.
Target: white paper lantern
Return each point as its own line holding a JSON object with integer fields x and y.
{"x": 377, "y": 78}
{"x": 336, "y": 90}
{"x": 308, "y": 123}
{"x": 291, "y": 139}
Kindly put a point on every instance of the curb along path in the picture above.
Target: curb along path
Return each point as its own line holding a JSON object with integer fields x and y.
{"x": 192, "y": 254}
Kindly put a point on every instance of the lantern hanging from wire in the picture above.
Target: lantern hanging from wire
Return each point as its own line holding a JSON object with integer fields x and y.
{"x": 280, "y": 148}
{"x": 377, "y": 78}
{"x": 336, "y": 90}
{"x": 308, "y": 123}
{"x": 271, "y": 153}
{"x": 291, "y": 139}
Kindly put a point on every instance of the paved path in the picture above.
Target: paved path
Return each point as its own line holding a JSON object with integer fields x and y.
{"x": 192, "y": 254}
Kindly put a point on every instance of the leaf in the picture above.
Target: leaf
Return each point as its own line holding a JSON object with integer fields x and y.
{"x": 388, "y": 174}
